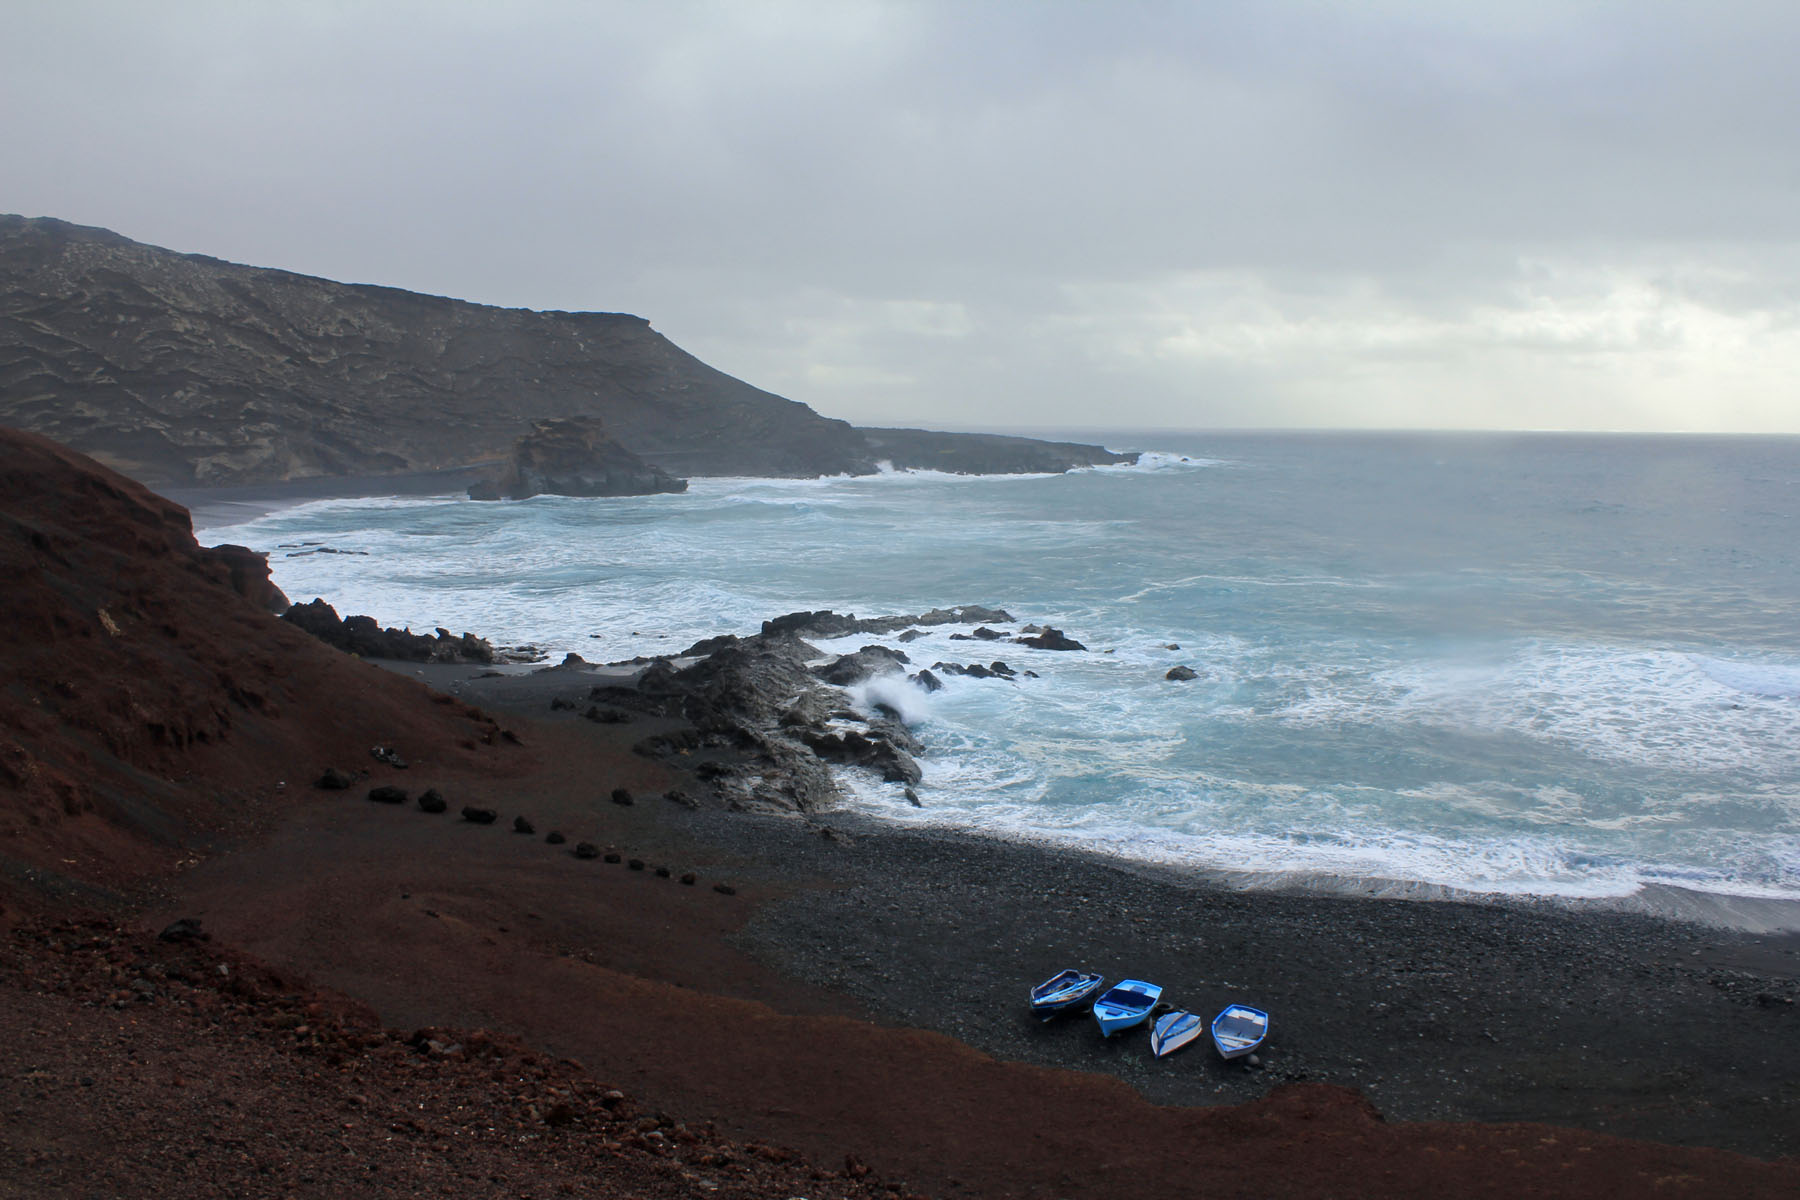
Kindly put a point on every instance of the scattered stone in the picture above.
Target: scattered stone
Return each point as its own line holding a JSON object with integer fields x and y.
{"x": 334, "y": 780}
{"x": 1181, "y": 674}
{"x": 613, "y": 856}
{"x": 521, "y": 825}
{"x": 912, "y": 798}
{"x": 607, "y": 716}
{"x": 928, "y": 681}
{"x": 663, "y": 872}
{"x": 586, "y": 850}
{"x": 621, "y": 796}
{"x": 724, "y": 889}
{"x": 682, "y": 797}
{"x": 555, "y": 837}
{"x": 558, "y": 704}
{"x": 387, "y": 793}
{"x": 1001, "y": 669}
{"x": 1171, "y": 646}
{"x": 636, "y": 864}
{"x": 480, "y": 816}
{"x": 911, "y": 635}
{"x": 187, "y": 929}
{"x": 690, "y": 879}
{"x": 388, "y": 755}
{"x": 432, "y": 801}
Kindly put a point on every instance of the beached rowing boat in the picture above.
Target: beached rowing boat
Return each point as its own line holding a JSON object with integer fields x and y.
{"x": 1239, "y": 1030}
{"x": 1065, "y": 990}
{"x": 1125, "y": 1005}
{"x": 1174, "y": 1030}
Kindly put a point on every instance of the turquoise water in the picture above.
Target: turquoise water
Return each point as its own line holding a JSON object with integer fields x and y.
{"x": 1547, "y": 665}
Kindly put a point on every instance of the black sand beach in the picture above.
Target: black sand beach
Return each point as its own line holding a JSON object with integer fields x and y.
{"x": 1617, "y": 1022}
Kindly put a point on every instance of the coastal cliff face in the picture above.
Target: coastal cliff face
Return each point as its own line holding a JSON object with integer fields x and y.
{"x": 183, "y": 370}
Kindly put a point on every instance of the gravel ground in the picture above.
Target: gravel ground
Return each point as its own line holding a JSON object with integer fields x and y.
{"x": 1614, "y": 1022}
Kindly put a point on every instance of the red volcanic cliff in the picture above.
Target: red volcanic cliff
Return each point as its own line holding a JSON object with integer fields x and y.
{"x": 147, "y": 695}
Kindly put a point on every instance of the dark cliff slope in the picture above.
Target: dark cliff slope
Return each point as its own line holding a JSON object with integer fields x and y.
{"x": 147, "y": 696}
{"x": 180, "y": 369}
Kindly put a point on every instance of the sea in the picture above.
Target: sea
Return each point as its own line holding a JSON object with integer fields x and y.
{"x": 1541, "y": 665}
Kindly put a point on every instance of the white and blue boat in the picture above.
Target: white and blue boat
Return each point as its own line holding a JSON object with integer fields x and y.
{"x": 1125, "y": 1004}
{"x": 1239, "y": 1030}
{"x": 1174, "y": 1030}
{"x": 1064, "y": 990}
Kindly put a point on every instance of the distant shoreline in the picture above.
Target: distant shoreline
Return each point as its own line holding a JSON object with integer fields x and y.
{"x": 212, "y": 507}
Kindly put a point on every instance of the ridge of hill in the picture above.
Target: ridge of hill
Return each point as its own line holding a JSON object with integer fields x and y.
{"x": 184, "y": 370}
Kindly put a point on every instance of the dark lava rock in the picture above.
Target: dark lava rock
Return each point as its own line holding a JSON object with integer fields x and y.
{"x": 364, "y": 637}
{"x": 911, "y": 635}
{"x": 622, "y": 796}
{"x": 1001, "y": 669}
{"x": 555, "y": 837}
{"x": 682, "y": 797}
{"x": 912, "y": 798}
{"x": 724, "y": 889}
{"x": 574, "y": 456}
{"x": 558, "y": 704}
{"x": 334, "y": 780}
{"x": 1180, "y": 674}
{"x": 249, "y": 573}
{"x": 928, "y": 681}
{"x": 867, "y": 662}
{"x": 607, "y": 716}
{"x": 690, "y": 879}
{"x": 586, "y": 850}
{"x": 387, "y": 793}
{"x": 521, "y": 825}
{"x": 480, "y": 816}
{"x": 613, "y": 856}
{"x": 187, "y": 929}
{"x": 1051, "y": 639}
{"x": 636, "y": 864}
{"x": 432, "y": 801}
{"x": 663, "y": 872}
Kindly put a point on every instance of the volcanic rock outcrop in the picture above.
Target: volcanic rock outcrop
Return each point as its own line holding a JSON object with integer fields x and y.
{"x": 182, "y": 370}
{"x": 573, "y": 456}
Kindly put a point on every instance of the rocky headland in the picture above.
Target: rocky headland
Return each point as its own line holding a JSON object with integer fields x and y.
{"x": 182, "y": 370}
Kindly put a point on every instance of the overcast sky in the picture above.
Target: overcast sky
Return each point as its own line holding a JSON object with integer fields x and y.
{"x": 1502, "y": 214}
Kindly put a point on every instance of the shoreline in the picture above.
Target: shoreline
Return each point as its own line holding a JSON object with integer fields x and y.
{"x": 1443, "y": 1009}
{"x": 512, "y": 686}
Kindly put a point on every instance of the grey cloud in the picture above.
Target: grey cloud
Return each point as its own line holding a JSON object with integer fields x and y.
{"x": 799, "y": 192}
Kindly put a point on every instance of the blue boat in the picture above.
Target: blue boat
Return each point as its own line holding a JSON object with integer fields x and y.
{"x": 1239, "y": 1030}
{"x": 1126, "y": 1004}
{"x": 1065, "y": 990}
{"x": 1172, "y": 1031}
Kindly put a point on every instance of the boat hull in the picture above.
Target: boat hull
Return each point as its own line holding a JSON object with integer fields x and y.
{"x": 1239, "y": 1030}
{"x": 1064, "y": 991}
{"x": 1128, "y": 1003}
{"x": 1174, "y": 1030}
